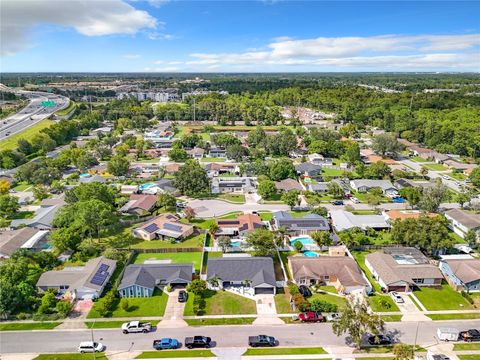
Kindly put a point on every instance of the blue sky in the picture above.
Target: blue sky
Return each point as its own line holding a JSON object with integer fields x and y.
{"x": 236, "y": 36}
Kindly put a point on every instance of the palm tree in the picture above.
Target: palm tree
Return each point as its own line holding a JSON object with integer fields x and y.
{"x": 214, "y": 282}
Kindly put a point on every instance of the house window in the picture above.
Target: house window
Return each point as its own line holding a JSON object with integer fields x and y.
{"x": 326, "y": 278}
{"x": 63, "y": 287}
{"x": 418, "y": 281}
{"x": 130, "y": 292}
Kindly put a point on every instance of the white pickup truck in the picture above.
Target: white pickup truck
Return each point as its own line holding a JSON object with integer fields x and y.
{"x": 136, "y": 326}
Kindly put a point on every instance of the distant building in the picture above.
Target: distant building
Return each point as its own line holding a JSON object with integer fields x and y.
{"x": 139, "y": 204}
{"x": 309, "y": 169}
{"x": 462, "y": 272}
{"x": 241, "y": 226}
{"x": 164, "y": 226}
{"x": 287, "y": 185}
{"x": 299, "y": 226}
{"x": 461, "y": 222}
{"x": 364, "y": 185}
{"x": 240, "y": 185}
{"x": 344, "y": 220}
{"x": 24, "y": 238}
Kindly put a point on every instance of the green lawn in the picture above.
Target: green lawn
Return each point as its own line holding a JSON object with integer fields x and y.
{"x": 284, "y": 256}
{"x": 138, "y": 307}
{"x": 332, "y": 172}
{"x": 104, "y": 324}
{"x": 192, "y": 242}
{"x": 175, "y": 354}
{"x": 460, "y": 347}
{"x": 27, "y": 134}
{"x": 418, "y": 159}
{"x": 435, "y": 167}
{"x": 221, "y": 321}
{"x": 282, "y": 302}
{"x": 337, "y": 300}
{"x": 328, "y": 288}
{"x": 222, "y": 303}
{"x": 22, "y": 186}
{"x": 234, "y": 198}
{"x": 442, "y": 299}
{"x": 65, "y": 111}
{"x": 286, "y": 351}
{"x": 457, "y": 175}
{"x": 265, "y": 215}
{"x": 213, "y": 159}
{"x": 22, "y": 215}
{"x": 360, "y": 258}
{"x": 391, "y": 318}
{"x": 462, "y": 316}
{"x": 72, "y": 356}
{"x": 175, "y": 257}
{"x": 382, "y": 303}
{"x": 199, "y": 223}
{"x": 29, "y": 326}
{"x": 468, "y": 357}
{"x": 415, "y": 302}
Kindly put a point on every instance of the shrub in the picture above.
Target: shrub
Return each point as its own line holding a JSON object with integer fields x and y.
{"x": 105, "y": 307}
{"x": 323, "y": 306}
{"x": 63, "y": 308}
{"x": 199, "y": 305}
{"x": 467, "y": 296}
{"x": 298, "y": 246}
{"x": 293, "y": 289}
{"x": 384, "y": 303}
{"x": 124, "y": 305}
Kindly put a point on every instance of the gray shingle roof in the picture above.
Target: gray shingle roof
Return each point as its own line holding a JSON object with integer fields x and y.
{"x": 151, "y": 275}
{"x": 309, "y": 222}
{"x": 259, "y": 270}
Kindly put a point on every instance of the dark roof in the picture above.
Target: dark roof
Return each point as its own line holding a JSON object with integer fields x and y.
{"x": 151, "y": 275}
{"x": 308, "y": 222}
{"x": 259, "y": 270}
{"x": 307, "y": 167}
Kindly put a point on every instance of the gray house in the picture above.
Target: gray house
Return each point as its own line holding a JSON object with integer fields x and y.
{"x": 141, "y": 280}
{"x": 246, "y": 275}
{"x": 300, "y": 226}
{"x": 308, "y": 169}
{"x": 462, "y": 272}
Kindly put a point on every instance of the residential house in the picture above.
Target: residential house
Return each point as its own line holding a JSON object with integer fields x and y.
{"x": 158, "y": 136}
{"x": 339, "y": 271}
{"x": 299, "y": 226}
{"x": 241, "y": 226}
{"x": 79, "y": 282}
{"x": 344, "y": 220}
{"x": 44, "y": 215}
{"x": 139, "y": 204}
{"x": 321, "y": 187}
{"x": 461, "y": 222}
{"x": 392, "y": 215}
{"x": 461, "y": 271}
{"x": 318, "y": 159}
{"x": 172, "y": 168}
{"x": 91, "y": 179}
{"x": 25, "y": 238}
{"x": 344, "y": 184}
{"x": 460, "y": 167}
{"x": 287, "y": 185}
{"x": 196, "y": 153}
{"x": 217, "y": 152}
{"x": 247, "y": 275}
{"x": 364, "y": 185}
{"x": 164, "y": 226}
{"x": 241, "y": 185}
{"x": 141, "y": 280}
{"x": 308, "y": 169}
{"x": 402, "y": 183}
{"x": 218, "y": 169}
{"x": 402, "y": 269}
{"x": 422, "y": 152}
{"x": 129, "y": 189}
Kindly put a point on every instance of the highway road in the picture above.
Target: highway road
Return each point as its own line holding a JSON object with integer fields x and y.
{"x": 33, "y": 113}
{"x": 224, "y": 336}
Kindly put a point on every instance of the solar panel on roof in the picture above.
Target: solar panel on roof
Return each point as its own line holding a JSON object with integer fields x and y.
{"x": 151, "y": 228}
{"x": 228, "y": 222}
{"x": 101, "y": 275}
{"x": 172, "y": 227}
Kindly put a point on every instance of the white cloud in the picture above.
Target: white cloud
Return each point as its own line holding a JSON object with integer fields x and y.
{"x": 160, "y": 36}
{"x": 158, "y": 3}
{"x": 88, "y": 17}
{"x": 132, "y": 56}
{"x": 394, "y": 52}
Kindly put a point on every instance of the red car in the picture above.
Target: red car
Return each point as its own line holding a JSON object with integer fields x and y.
{"x": 311, "y": 316}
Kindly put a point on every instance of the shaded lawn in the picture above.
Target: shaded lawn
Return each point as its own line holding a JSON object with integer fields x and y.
{"x": 435, "y": 167}
{"x": 282, "y": 302}
{"x": 442, "y": 299}
{"x": 22, "y": 186}
{"x": 337, "y": 300}
{"x": 22, "y": 215}
{"x": 328, "y": 288}
{"x": 284, "y": 256}
{"x": 207, "y": 255}
{"x": 72, "y": 356}
{"x": 29, "y": 326}
{"x": 382, "y": 303}
{"x": 462, "y": 316}
{"x": 175, "y": 257}
{"x": 11, "y": 142}
{"x": 221, "y": 321}
{"x": 286, "y": 351}
{"x": 391, "y": 318}
{"x": 278, "y": 269}
{"x": 332, "y": 172}
{"x": 360, "y": 258}
{"x": 222, "y": 303}
{"x": 192, "y": 242}
{"x": 138, "y": 307}
{"x": 235, "y": 198}
{"x": 175, "y": 354}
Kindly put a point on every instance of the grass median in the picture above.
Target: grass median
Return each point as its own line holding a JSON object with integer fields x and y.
{"x": 220, "y": 321}
{"x": 29, "y": 326}
{"x": 285, "y": 351}
{"x": 175, "y": 354}
{"x": 72, "y": 356}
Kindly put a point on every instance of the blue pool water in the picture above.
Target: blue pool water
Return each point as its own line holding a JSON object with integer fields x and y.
{"x": 146, "y": 186}
{"x": 399, "y": 200}
{"x": 305, "y": 240}
{"x": 235, "y": 244}
{"x": 310, "y": 254}
{"x": 85, "y": 175}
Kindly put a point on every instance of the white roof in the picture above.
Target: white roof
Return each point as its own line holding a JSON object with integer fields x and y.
{"x": 344, "y": 220}
{"x": 456, "y": 257}
{"x": 34, "y": 239}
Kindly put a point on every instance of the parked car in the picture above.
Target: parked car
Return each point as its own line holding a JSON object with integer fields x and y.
{"x": 380, "y": 340}
{"x": 262, "y": 340}
{"x": 354, "y": 200}
{"x": 447, "y": 334}
{"x": 337, "y": 202}
{"x": 396, "y": 297}
{"x": 165, "y": 344}
{"x": 469, "y": 335}
{"x": 90, "y": 347}
{"x": 182, "y": 296}
{"x": 311, "y": 316}
{"x": 446, "y": 177}
{"x": 304, "y": 290}
{"x": 432, "y": 356}
{"x": 333, "y": 317}
{"x": 136, "y": 326}
{"x": 198, "y": 342}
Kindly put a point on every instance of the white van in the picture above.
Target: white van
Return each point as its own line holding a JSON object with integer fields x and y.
{"x": 90, "y": 347}
{"x": 447, "y": 334}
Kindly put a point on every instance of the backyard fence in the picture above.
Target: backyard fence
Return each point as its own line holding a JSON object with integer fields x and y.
{"x": 165, "y": 250}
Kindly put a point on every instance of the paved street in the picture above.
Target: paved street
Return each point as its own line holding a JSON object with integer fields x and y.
{"x": 224, "y": 336}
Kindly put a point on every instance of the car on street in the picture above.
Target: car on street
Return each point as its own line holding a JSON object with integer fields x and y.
{"x": 90, "y": 347}
{"x": 354, "y": 200}
{"x": 136, "y": 327}
{"x": 396, "y": 297}
{"x": 166, "y": 344}
{"x": 311, "y": 316}
{"x": 446, "y": 177}
{"x": 262, "y": 341}
{"x": 304, "y": 290}
{"x": 198, "y": 341}
{"x": 337, "y": 202}
{"x": 182, "y": 296}
{"x": 333, "y": 317}
{"x": 380, "y": 340}
{"x": 469, "y": 335}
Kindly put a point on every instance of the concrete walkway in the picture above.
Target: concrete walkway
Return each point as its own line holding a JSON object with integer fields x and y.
{"x": 410, "y": 311}
{"x": 173, "y": 316}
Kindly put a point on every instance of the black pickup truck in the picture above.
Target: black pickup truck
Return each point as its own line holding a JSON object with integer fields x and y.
{"x": 469, "y": 335}
{"x": 262, "y": 340}
{"x": 198, "y": 342}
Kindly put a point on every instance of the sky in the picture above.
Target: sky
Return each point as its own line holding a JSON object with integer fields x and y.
{"x": 239, "y": 36}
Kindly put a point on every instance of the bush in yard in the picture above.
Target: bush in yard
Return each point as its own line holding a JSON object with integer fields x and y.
{"x": 323, "y": 306}
{"x": 300, "y": 302}
{"x": 298, "y": 246}
{"x": 292, "y": 288}
{"x": 384, "y": 303}
{"x": 467, "y": 296}
{"x": 124, "y": 305}
{"x": 63, "y": 307}
{"x": 48, "y": 303}
{"x": 105, "y": 307}
{"x": 197, "y": 287}
{"x": 403, "y": 351}
{"x": 198, "y": 305}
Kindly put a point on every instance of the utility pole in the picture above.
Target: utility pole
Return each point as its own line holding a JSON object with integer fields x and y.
{"x": 93, "y": 341}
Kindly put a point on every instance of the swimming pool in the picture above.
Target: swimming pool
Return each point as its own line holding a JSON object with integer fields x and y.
{"x": 304, "y": 240}
{"x": 235, "y": 244}
{"x": 85, "y": 175}
{"x": 146, "y": 186}
{"x": 310, "y": 254}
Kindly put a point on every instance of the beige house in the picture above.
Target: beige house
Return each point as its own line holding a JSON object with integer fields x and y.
{"x": 164, "y": 226}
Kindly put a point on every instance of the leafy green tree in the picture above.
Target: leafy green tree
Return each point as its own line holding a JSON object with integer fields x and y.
{"x": 197, "y": 287}
{"x": 298, "y": 246}
{"x": 356, "y": 320}
{"x": 267, "y": 189}
{"x": 224, "y": 242}
{"x": 89, "y": 191}
{"x": 352, "y": 153}
{"x": 261, "y": 240}
{"x": 386, "y": 144}
{"x": 403, "y": 351}
{"x": 320, "y": 305}
{"x": 48, "y": 303}
{"x": 432, "y": 197}
{"x": 178, "y": 155}
{"x": 335, "y": 190}
{"x": 378, "y": 170}
{"x": 291, "y": 198}
{"x": 320, "y": 210}
{"x": 236, "y": 152}
{"x": 475, "y": 177}
{"x": 281, "y": 169}
{"x": 166, "y": 200}
{"x": 192, "y": 180}
{"x": 462, "y": 198}
{"x": 322, "y": 238}
{"x": 412, "y": 195}
{"x": 40, "y": 192}
{"x": 8, "y": 205}
{"x": 256, "y": 137}
{"x": 63, "y": 308}
{"x": 471, "y": 238}
{"x": 118, "y": 165}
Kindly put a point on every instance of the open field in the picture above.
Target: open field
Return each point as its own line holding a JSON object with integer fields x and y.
{"x": 435, "y": 167}
{"x": 69, "y": 108}
{"x": 27, "y": 134}
{"x": 382, "y": 303}
{"x": 192, "y": 242}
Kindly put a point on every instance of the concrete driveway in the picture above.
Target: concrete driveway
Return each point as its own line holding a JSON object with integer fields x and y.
{"x": 173, "y": 311}
{"x": 410, "y": 311}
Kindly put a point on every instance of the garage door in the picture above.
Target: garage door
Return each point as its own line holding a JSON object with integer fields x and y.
{"x": 260, "y": 291}
{"x": 396, "y": 288}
